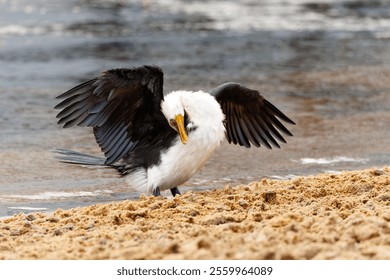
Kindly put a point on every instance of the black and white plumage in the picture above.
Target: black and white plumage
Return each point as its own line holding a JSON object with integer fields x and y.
{"x": 158, "y": 142}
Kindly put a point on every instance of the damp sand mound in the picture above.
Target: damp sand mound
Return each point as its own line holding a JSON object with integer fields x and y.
{"x": 342, "y": 216}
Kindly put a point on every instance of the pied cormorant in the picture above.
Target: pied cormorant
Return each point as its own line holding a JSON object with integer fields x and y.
{"x": 158, "y": 142}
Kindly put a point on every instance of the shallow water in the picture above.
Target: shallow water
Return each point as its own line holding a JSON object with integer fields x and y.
{"x": 324, "y": 63}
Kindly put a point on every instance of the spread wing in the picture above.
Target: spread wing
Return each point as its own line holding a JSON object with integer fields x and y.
{"x": 250, "y": 118}
{"x": 122, "y": 106}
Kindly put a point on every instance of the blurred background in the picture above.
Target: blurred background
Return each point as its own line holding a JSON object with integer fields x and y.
{"x": 325, "y": 63}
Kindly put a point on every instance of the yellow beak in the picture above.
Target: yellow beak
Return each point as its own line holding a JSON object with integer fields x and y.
{"x": 180, "y": 128}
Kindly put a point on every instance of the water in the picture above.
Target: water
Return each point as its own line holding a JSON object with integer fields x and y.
{"x": 324, "y": 63}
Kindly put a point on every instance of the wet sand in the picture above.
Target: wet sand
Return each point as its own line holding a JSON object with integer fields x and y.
{"x": 327, "y": 216}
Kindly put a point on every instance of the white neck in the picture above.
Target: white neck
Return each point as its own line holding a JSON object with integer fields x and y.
{"x": 201, "y": 107}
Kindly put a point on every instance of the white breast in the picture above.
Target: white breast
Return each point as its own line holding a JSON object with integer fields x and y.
{"x": 180, "y": 162}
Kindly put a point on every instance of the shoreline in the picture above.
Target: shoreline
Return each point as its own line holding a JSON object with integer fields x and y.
{"x": 326, "y": 216}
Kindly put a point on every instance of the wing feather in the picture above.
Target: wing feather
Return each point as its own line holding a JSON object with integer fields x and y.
{"x": 260, "y": 132}
{"x": 250, "y": 118}
{"x": 243, "y": 141}
{"x": 116, "y": 139}
{"x": 272, "y": 132}
{"x": 265, "y": 132}
{"x": 82, "y": 88}
{"x": 230, "y": 120}
{"x": 72, "y": 99}
{"x": 109, "y": 134}
{"x": 247, "y": 134}
{"x": 122, "y": 105}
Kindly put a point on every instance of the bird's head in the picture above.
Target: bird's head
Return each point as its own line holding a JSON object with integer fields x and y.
{"x": 173, "y": 110}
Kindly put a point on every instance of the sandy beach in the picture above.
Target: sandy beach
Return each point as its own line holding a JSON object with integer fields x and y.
{"x": 327, "y": 216}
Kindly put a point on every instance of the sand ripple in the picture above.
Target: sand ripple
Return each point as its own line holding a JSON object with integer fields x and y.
{"x": 343, "y": 216}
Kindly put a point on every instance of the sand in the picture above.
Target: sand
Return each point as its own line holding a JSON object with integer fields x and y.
{"x": 328, "y": 216}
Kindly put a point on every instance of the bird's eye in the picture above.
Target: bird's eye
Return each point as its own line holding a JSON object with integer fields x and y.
{"x": 172, "y": 123}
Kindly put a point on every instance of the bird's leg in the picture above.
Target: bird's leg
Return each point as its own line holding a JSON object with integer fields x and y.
{"x": 156, "y": 192}
{"x": 175, "y": 191}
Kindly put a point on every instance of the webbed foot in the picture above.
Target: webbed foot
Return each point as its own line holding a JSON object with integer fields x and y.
{"x": 175, "y": 191}
{"x": 156, "y": 192}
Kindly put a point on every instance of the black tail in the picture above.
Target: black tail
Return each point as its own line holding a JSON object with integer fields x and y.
{"x": 73, "y": 157}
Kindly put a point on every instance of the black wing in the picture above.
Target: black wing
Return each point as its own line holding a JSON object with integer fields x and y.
{"x": 249, "y": 117}
{"x": 122, "y": 105}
